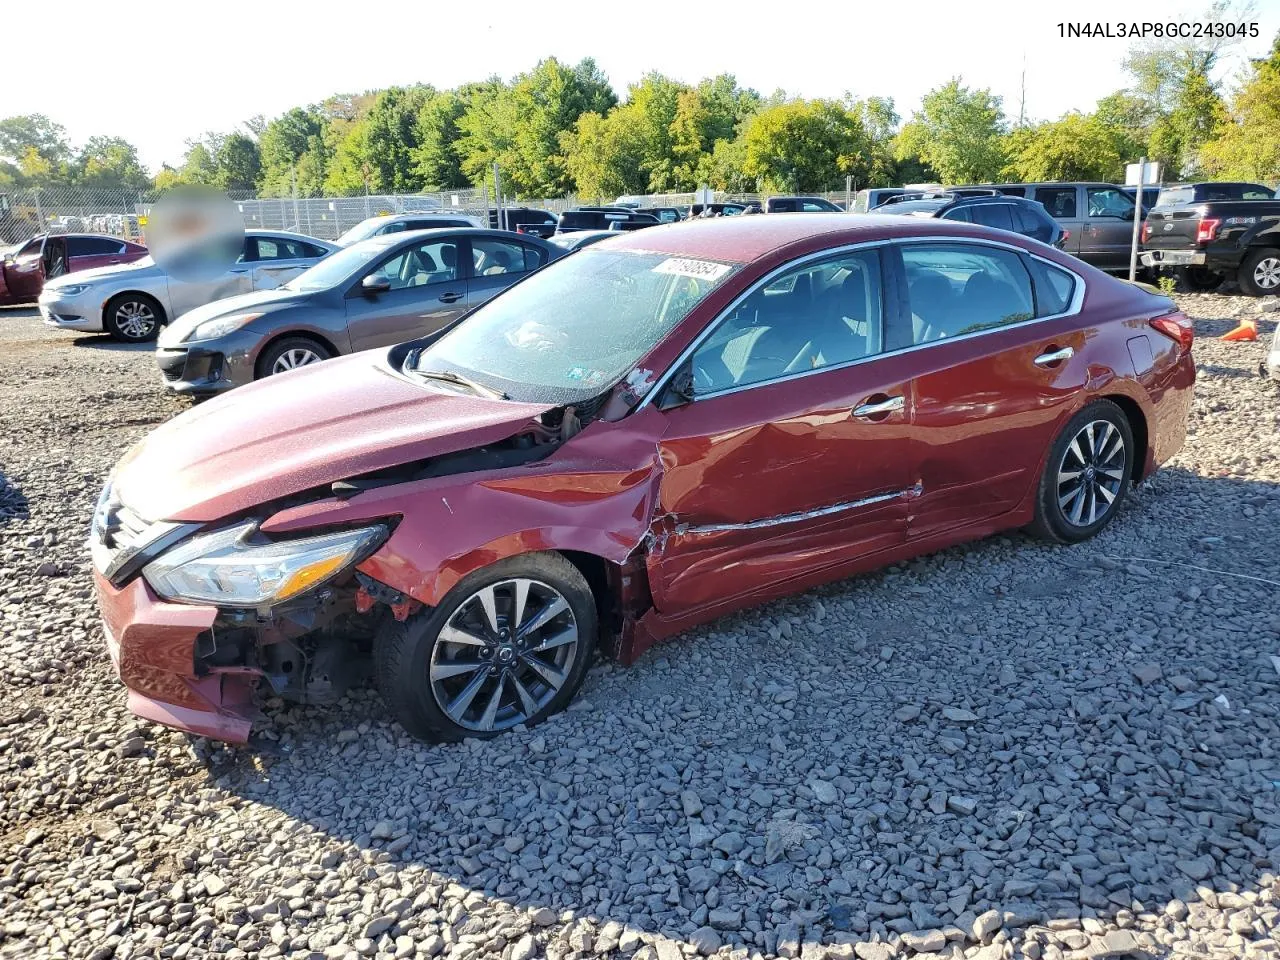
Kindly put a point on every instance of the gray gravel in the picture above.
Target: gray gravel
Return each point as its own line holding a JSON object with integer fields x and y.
{"x": 1006, "y": 750}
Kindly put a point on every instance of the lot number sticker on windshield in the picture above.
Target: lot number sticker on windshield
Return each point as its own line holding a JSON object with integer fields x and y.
{"x": 701, "y": 269}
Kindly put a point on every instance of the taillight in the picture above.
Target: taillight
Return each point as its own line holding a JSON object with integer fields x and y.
{"x": 1207, "y": 230}
{"x": 1177, "y": 327}
{"x": 1146, "y": 231}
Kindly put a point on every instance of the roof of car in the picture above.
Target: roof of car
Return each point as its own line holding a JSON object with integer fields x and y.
{"x": 744, "y": 239}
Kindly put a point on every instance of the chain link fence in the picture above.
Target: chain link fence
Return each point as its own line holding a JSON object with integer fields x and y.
{"x": 122, "y": 213}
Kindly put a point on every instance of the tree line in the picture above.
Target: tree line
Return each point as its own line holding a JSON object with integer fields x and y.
{"x": 559, "y": 129}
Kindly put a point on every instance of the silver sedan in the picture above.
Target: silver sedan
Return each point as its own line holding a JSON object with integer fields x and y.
{"x": 132, "y": 302}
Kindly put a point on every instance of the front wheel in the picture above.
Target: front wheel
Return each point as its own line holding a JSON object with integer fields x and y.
{"x": 291, "y": 353}
{"x": 1260, "y": 273}
{"x": 133, "y": 317}
{"x": 1086, "y": 476}
{"x": 508, "y": 645}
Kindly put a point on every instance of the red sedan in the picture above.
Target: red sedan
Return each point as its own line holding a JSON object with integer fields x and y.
{"x": 49, "y": 255}
{"x": 666, "y": 427}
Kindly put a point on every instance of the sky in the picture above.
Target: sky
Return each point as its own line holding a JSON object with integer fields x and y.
{"x": 168, "y": 71}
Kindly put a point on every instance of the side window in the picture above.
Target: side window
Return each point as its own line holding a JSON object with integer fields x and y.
{"x": 1013, "y": 191}
{"x": 31, "y": 247}
{"x": 1054, "y": 288}
{"x": 278, "y": 248}
{"x": 397, "y": 227}
{"x": 93, "y": 246}
{"x": 435, "y": 261}
{"x": 492, "y": 258}
{"x": 810, "y": 207}
{"x": 312, "y": 252}
{"x": 1109, "y": 202}
{"x": 1256, "y": 193}
{"x": 783, "y": 206}
{"x": 1059, "y": 201}
{"x": 992, "y": 215}
{"x": 815, "y": 316}
{"x": 1030, "y": 224}
{"x": 958, "y": 213}
{"x": 534, "y": 257}
{"x": 956, "y": 289}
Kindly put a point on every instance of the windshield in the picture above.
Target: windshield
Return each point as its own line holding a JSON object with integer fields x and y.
{"x": 926, "y": 208}
{"x": 1175, "y": 196}
{"x": 361, "y": 231}
{"x": 336, "y": 267}
{"x": 573, "y": 329}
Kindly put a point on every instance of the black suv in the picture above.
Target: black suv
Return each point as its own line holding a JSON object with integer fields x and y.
{"x": 1004, "y": 213}
{"x": 800, "y": 205}
{"x": 602, "y": 218}
{"x": 539, "y": 223}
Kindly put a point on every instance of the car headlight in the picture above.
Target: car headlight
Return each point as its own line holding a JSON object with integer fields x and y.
{"x": 70, "y": 290}
{"x": 221, "y": 326}
{"x": 236, "y": 568}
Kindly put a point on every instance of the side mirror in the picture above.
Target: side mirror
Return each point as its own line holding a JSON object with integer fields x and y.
{"x": 679, "y": 389}
{"x": 374, "y": 284}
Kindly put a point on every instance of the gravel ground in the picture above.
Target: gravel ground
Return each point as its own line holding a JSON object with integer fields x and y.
{"x": 1005, "y": 750}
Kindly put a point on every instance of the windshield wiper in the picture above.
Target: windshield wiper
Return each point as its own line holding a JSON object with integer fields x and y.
{"x": 448, "y": 376}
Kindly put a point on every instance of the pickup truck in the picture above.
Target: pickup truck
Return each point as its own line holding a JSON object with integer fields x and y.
{"x": 1213, "y": 232}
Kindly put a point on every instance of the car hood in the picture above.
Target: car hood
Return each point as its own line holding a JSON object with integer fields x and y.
{"x": 259, "y": 301}
{"x": 303, "y": 429}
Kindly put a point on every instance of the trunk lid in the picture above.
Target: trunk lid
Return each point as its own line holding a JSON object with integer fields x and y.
{"x": 1172, "y": 228}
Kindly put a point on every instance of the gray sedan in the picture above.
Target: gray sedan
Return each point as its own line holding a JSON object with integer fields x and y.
{"x": 133, "y": 301}
{"x": 374, "y": 293}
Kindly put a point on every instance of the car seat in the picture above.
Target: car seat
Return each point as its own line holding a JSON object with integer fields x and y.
{"x": 932, "y": 301}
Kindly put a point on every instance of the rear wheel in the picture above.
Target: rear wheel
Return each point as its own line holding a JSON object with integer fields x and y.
{"x": 291, "y": 353}
{"x": 1086, "y": 476}
{"x": 508, "y": 645}
{"x": 1201, "y": 279}
{"x": 133, "y": 317}
{"x": 1260, "y": 272}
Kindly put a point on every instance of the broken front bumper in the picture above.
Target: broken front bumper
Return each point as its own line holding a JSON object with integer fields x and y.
{"x": 152, "y": 644}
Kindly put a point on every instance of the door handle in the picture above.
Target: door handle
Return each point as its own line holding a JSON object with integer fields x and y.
{"x": 879, "y": 408}
{"x": 1054, "y": 356}
{"x": 450, "y": 297}
{"x": 239, "y": 270}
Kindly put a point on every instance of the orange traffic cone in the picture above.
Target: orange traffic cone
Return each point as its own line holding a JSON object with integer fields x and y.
{"x": 1247, "y": 330}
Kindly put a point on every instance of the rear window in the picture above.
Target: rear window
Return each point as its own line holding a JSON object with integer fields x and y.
{"x": 1175, "y": 196}
{"x": 582, "y": 220}
{"x": 992, "y": 215}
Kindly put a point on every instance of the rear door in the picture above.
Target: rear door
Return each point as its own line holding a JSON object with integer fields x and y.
{"x": 277, "y": 260}
{"x": 498, "y": 263}
{"x": 793, "y": 456}
{"x": 1064, "y": 205}
{"x": 86, "y": 253}
{"x": 1108, "y": 227}
{"x": 990, "y": 381}
{"x": 427, "y": 292}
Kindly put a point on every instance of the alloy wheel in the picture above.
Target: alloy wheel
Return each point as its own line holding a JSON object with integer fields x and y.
{"x": 503, "y": 655}
{"x": 135, "y": 319}
{"x": 1092, "y": 473}
{"x": 1266, "y": 273}
{"x": 296, "y": 357}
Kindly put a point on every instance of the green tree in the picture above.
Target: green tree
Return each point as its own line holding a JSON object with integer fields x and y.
{"x": 957, "y": 133}
{"x": 239, "y": 164}
{"x": 110, "y": 163}
{"x": 437, "y": 159}
{"x": 604, "y": 156}
{"x": 34, "y": 132}
{"x": 1077, "y": 147}
{"x": 707, "y": 115}
{"x": 1247, "y": 144}
{"x": 293, "y": 143}
{"x": 805, "y": 145}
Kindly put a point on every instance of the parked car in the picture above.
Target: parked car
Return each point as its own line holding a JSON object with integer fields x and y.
{"x": 24, "y": 270}
{"x": 800, "y": 205}
{"x": 600, "y": 218}
{"x": 726, "y": 208}
{"x": 1097, "y": 216}
{"x": 1210, "y": 240}
{"x": 664, "y": 214}
{"x": 132, "y": 302}
{"x": 398, "y": 223}
{"x": 1004, "y": 213}
{"x": 639, "y": 438}
{"x": 374, "y": 293}
{"x": 538, "y": 223}
{"x": 872, "y": 197}
{"x": 578, "y": 239}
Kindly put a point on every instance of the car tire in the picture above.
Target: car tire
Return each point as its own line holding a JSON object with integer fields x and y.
{"x": 1201, "y": 279}
{"x": 462, "y": 670}
{"x": 290, "y": 353}
{"x": 133, "y": 317}
{"x": 1260, "y": 272}
{"x": 1081, "y": 489}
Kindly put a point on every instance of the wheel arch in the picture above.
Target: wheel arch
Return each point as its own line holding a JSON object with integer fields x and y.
{"x": 160, "y": 307}
{"x": 304, "y": 333}
{"x": 1141, "y": 435}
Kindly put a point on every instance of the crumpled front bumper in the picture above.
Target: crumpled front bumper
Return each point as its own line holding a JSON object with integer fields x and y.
{"x": 152, "y": 644}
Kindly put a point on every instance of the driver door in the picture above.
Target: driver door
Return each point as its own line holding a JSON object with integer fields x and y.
{"x": 792, "y": 457}
{"x": 24, "y": 275}
{"x": 427, "y": 292}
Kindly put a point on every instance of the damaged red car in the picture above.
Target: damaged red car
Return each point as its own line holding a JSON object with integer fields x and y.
{"x": 666, "y": 427}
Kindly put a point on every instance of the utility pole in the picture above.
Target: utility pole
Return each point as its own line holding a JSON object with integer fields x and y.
{"x": 1137, "y": 219}
{"x": 1022, "y": 99}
